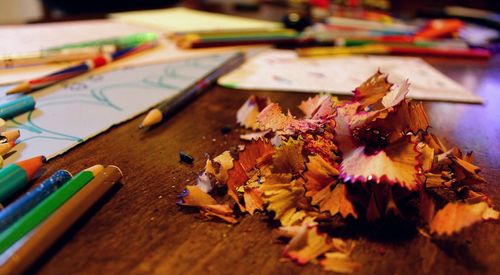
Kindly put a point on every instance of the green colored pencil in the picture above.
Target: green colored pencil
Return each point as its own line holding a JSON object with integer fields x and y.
{"x": 43, "y": 210}
{"x": 127, "y": 41}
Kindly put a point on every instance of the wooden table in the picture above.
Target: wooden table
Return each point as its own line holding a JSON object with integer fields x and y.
{"x": 139, "y": 229}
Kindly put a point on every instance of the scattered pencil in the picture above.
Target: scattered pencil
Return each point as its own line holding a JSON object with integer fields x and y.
{"x": 400, "y": 50}
{"x": 199, "y": 42}
{"x": 185, "y": 157}
{"x": 121, "y": 42}
{"x": 45, "y": 208}
{"x": 16, "y": 176}
{"x": 6, "y": 147}
{"x": 16, "y": 107}
{"x": 22, "y": 254}
{"x": 45, "y": 57}
{"x": 29, "y": 200}
{"x": 10, "y": 135}
{"x": 153, "y": 117}
{"x": 173, "y": 105}
{"x": 79, "y": 69}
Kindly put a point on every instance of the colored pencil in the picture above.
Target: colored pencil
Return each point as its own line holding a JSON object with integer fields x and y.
{"x": 16, "y": 176}
{"x": 45, "y": 208}
{"x": 235, "y": 34}
{"x": 391, "y": 28}
{"x": 127, "y": 41}
{"x": 6, "y": 147}
{"x": 173, "y": 105}
{"x": 437, "y": 44}
{"x": 439, "y": 28}
{"x": 29, "y": 200}
{"x": 16, "y": 107}
{"x": 22, "y": 254}
{"x": 385, "y": 49}
{"x": 79, "y": 69}
{"x": 242, "y": 41}
{"x": 44, "y": 57}
{"x": 231, "y": 32}
{"x": 10, "y": 135}
{"x": 364, "y": 49}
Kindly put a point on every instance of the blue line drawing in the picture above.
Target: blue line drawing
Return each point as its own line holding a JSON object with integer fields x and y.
{"x": 156, "y": 81}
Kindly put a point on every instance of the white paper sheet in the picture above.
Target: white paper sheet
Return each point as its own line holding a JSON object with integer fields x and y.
{"x": 69, "y": 114}
{"x": 285, "y": 71}
{"x": 185, "y": 20}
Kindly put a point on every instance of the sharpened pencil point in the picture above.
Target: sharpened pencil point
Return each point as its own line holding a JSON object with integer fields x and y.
{"x": 153, "y": 117}
{"x": 10, "y": 135}
{"x": 23, "y": 87}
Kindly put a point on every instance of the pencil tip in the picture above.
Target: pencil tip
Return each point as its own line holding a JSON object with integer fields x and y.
{"x": 31, "y": 165}
{"x": 153, "y": 117}
{"x": 20, "y": 88}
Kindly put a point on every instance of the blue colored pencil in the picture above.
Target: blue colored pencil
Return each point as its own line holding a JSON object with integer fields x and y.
{"x": 16, "y": 107}
{"x": 29, "y": 200}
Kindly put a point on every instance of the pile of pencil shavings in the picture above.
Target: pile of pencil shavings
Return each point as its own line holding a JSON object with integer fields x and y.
{"x": 360, "y": 160}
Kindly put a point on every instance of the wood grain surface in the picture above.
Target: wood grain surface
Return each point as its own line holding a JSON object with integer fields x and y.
{"x": 138, "y": 228}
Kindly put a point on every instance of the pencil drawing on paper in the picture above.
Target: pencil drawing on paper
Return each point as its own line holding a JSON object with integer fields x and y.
{"x": 75, "y": 112}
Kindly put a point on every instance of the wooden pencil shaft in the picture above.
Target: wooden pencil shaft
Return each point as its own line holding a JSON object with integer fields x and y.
{"x": 242, "y": 37}
{"x": 53, "y": 56}
{"x": 29, "y": 200}
{"x": 43, "y": 210}
{"x": 78, "y": 69}
{"x": 241, "y": 42}
{"x": 232, "y": 32}
{"x": 20, "y": 256}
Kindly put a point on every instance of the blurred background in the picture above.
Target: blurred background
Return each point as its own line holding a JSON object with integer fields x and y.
{"x": 24, "y": 11}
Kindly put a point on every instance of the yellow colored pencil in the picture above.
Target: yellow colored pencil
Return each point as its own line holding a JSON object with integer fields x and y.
{"x": 322, "y": 51}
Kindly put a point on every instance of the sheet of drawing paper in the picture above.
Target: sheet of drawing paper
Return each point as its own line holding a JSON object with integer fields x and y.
{"x": 67, "y": 115}
{"x": 283, "y": 70}
{"x": 26, "y": 38}
{"x": 183, "y": 19}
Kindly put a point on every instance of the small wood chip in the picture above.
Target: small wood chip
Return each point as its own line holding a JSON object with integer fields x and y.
{"x": 185, "y": 157}
{"x": 226, "y": 129}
